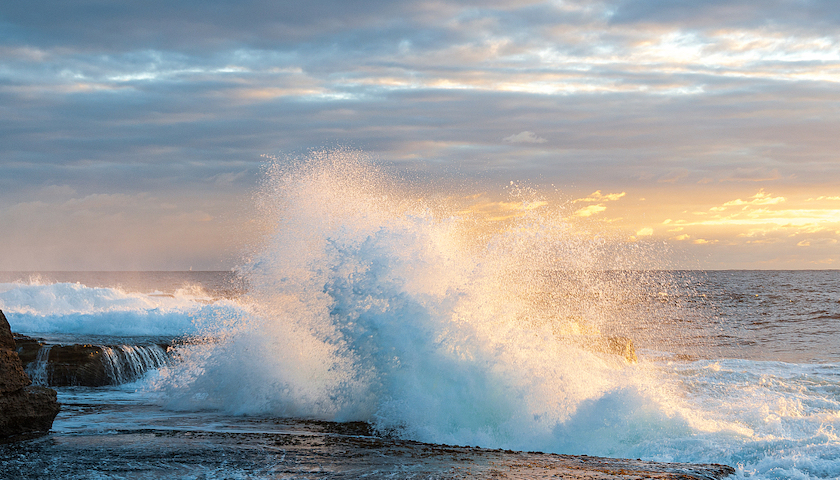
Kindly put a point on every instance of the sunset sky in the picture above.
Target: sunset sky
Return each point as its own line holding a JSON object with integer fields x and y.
{"x": 133, "y": 133}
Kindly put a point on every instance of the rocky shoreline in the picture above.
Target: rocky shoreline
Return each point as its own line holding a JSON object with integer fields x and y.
{"x": 301, "y": 448}
{"x": 26, "y": 410}
{"x": 86, "y": 365}
{"x": 305, "y": 449}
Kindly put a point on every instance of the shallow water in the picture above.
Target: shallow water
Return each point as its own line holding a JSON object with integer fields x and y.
{"x": 114, "y": 433}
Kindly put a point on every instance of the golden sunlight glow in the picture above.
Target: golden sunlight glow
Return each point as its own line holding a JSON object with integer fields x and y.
{"x": 590, "y": 210}
{"x": 597, "y": 196}
{"x": 790, "y": 230}
{"x": 598, "y": 207}
{"x": 496, "y": 211}
{"x": 765, "y": 209}
{"x": 759, "y": 198}
{"x": 776, "y": 224}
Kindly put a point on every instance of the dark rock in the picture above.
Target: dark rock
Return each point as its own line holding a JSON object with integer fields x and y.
{"x": 12, "y": 376}
{"x": 7, "y": 340}
{"x": 77, "y": 365}
{"x": 67, "y": 365}
{"x": 88, "y": 365}
{"x": 27, "y": 348}
{"x": 25, "y": 410}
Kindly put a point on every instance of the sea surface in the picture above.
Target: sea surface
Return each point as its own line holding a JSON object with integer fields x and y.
{"x": 362, "y": 317}
{"x": 748, "y": 377}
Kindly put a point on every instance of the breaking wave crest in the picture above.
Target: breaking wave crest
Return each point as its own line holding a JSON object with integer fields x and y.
{"x": 38, "y": 307}
{"x": 428, "y": 320}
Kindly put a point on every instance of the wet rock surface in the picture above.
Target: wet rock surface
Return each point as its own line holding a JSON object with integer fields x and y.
{"x": 85, "y": 365}
{"x": 27, "y": 347}
{"x": 313, "y": 452}
{"x": 78, "y": 365}
{"x": 25, "y": 410}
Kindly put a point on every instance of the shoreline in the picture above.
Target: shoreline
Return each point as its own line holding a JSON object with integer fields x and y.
{"x": 307, "y": 449}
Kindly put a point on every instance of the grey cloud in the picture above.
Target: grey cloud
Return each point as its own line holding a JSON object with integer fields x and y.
{"x": 194, "y": 26}
{"x": 160, "y": 24}
{"x": 809, "y": 14}
{"x": 183, "y": 132}
{"x": 179, "y": 100}
{"x": 524, "y": 137}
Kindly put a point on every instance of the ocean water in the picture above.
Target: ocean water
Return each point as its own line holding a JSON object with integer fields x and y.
{"x": 422, "y": 321}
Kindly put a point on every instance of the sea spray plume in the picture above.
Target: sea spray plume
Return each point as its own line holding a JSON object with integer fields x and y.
{"x": 368, "y": 305}
{"x": 286, "y": 358}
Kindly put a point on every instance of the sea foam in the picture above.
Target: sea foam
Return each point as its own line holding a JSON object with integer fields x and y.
{"x": 73, "y": 308}
{"x": 431, "y": 324}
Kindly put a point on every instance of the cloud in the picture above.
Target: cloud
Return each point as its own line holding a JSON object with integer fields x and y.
{"x": 56, "y": 191}
{"x": 597, "y": 196}
{"x": 727, "y": 13}
{"x": 761, "y": 174}
{"x": 524, "y": 137}
{"x": 228, "y": 178}
{"x": 178, "y": 100}
{"x": 589, "y": 210}
{"x": 674, "y": 177}
{"x": 759, "y": 216}
{"x": 760, "y": 198}
{"x": 190, "y": 25}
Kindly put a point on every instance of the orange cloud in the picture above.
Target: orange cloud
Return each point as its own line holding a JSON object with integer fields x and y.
{"x": 597, "y": 196}
{"x": 590, "y": 210}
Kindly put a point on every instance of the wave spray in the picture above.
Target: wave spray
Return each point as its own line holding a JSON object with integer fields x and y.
{"x": 431, "y": 319}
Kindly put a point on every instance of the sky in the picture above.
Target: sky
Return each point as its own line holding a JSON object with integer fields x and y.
{"x": 133, "y": 134}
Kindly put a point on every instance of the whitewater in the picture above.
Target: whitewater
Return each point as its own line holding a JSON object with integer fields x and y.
{"x": 429, "y": 320}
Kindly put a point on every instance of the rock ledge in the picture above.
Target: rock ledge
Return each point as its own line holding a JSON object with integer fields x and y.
{"x": 26, "y": 411}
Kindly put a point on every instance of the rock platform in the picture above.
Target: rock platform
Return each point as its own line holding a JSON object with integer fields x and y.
{"x": 26, "y": 411}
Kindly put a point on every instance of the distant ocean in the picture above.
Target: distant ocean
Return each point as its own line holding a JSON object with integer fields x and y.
{"x": 407, "y": 326}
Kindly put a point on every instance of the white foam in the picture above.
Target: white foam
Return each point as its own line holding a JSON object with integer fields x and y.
{"x": 367, "y": 307}
{"x": 75, "y": 308}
